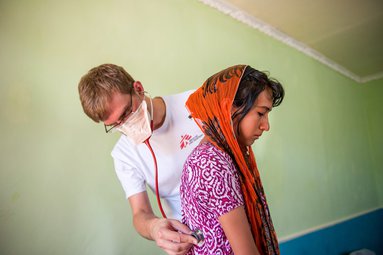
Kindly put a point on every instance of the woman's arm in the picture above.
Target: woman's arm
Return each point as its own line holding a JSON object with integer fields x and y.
{"x": 237, "y": 231}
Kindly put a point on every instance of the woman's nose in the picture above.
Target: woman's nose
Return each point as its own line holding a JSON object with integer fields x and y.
{"x": 265, "y": 125}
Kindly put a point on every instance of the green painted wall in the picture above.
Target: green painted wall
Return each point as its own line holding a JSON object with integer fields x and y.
{"x": 320, "y": 162}
{"x": 373, "y": 97}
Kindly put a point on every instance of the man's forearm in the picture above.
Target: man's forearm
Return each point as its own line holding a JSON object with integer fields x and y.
{"x": 143, "y": 223}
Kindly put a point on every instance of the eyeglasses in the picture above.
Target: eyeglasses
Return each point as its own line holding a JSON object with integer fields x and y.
{"x": 124, "y": 115}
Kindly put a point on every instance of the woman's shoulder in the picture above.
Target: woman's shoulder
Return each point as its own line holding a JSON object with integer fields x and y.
{"x": 209, "y": 152}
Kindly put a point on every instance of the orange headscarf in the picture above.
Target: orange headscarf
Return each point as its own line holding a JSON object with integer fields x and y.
{"x": 210, "y": 106}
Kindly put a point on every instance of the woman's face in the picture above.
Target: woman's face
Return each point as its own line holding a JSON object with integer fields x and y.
{"x": 256, "y": 121}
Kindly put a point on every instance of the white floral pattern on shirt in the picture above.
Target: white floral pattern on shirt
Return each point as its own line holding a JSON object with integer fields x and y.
{"x": 210, "y": 187}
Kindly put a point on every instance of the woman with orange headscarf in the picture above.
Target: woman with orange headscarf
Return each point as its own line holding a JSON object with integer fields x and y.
{"x": 221, "y": 190}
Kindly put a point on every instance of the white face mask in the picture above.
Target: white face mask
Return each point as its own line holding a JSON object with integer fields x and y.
{"x": 137, "y": 126}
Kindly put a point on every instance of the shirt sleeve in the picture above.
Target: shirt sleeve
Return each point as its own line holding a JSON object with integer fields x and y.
{"x": 131, "y": 180}
{"x": 219, "y": 188}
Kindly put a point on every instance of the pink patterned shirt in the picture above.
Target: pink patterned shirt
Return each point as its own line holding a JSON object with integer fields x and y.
{"x": 210, "y": 187}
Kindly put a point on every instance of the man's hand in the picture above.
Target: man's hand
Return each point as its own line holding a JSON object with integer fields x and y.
{"x": 172, "y": 236}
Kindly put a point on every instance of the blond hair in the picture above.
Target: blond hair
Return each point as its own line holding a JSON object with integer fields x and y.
{"x": 97, "y": 87}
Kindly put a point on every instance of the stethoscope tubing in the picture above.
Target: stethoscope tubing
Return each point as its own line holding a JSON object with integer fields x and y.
{"x": 156, "y": 178}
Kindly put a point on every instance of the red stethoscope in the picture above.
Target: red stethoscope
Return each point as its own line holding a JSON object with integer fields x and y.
{"x": 155, "y": 162}
{"x": 197, "y": 233}
{"x": 156, "y": 172}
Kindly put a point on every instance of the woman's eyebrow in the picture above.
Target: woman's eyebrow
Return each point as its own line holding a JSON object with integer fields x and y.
{"x": 265, "y": 107}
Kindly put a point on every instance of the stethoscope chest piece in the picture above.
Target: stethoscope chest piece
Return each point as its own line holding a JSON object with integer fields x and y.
{"x": 197, "y": 234}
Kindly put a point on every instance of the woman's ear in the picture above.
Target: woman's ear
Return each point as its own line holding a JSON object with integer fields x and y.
{"x": 137, "y": 86}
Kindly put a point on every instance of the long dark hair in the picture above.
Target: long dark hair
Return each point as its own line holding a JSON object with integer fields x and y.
{"x": 253, "y": 82}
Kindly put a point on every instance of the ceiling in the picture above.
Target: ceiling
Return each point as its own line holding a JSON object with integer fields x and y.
{"x": 346, "y": 35}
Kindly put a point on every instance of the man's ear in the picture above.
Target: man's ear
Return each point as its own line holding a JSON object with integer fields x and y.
{"x": 137, "y": 86}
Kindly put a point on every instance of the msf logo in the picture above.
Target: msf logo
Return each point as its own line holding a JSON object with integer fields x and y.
{"x": 188, "y": 139}
{"x": 185, "y": 141}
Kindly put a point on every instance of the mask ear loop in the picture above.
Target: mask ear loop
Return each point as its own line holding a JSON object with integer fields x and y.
{"x": 154, "y": 159}
{"x": 151, "y": 110}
